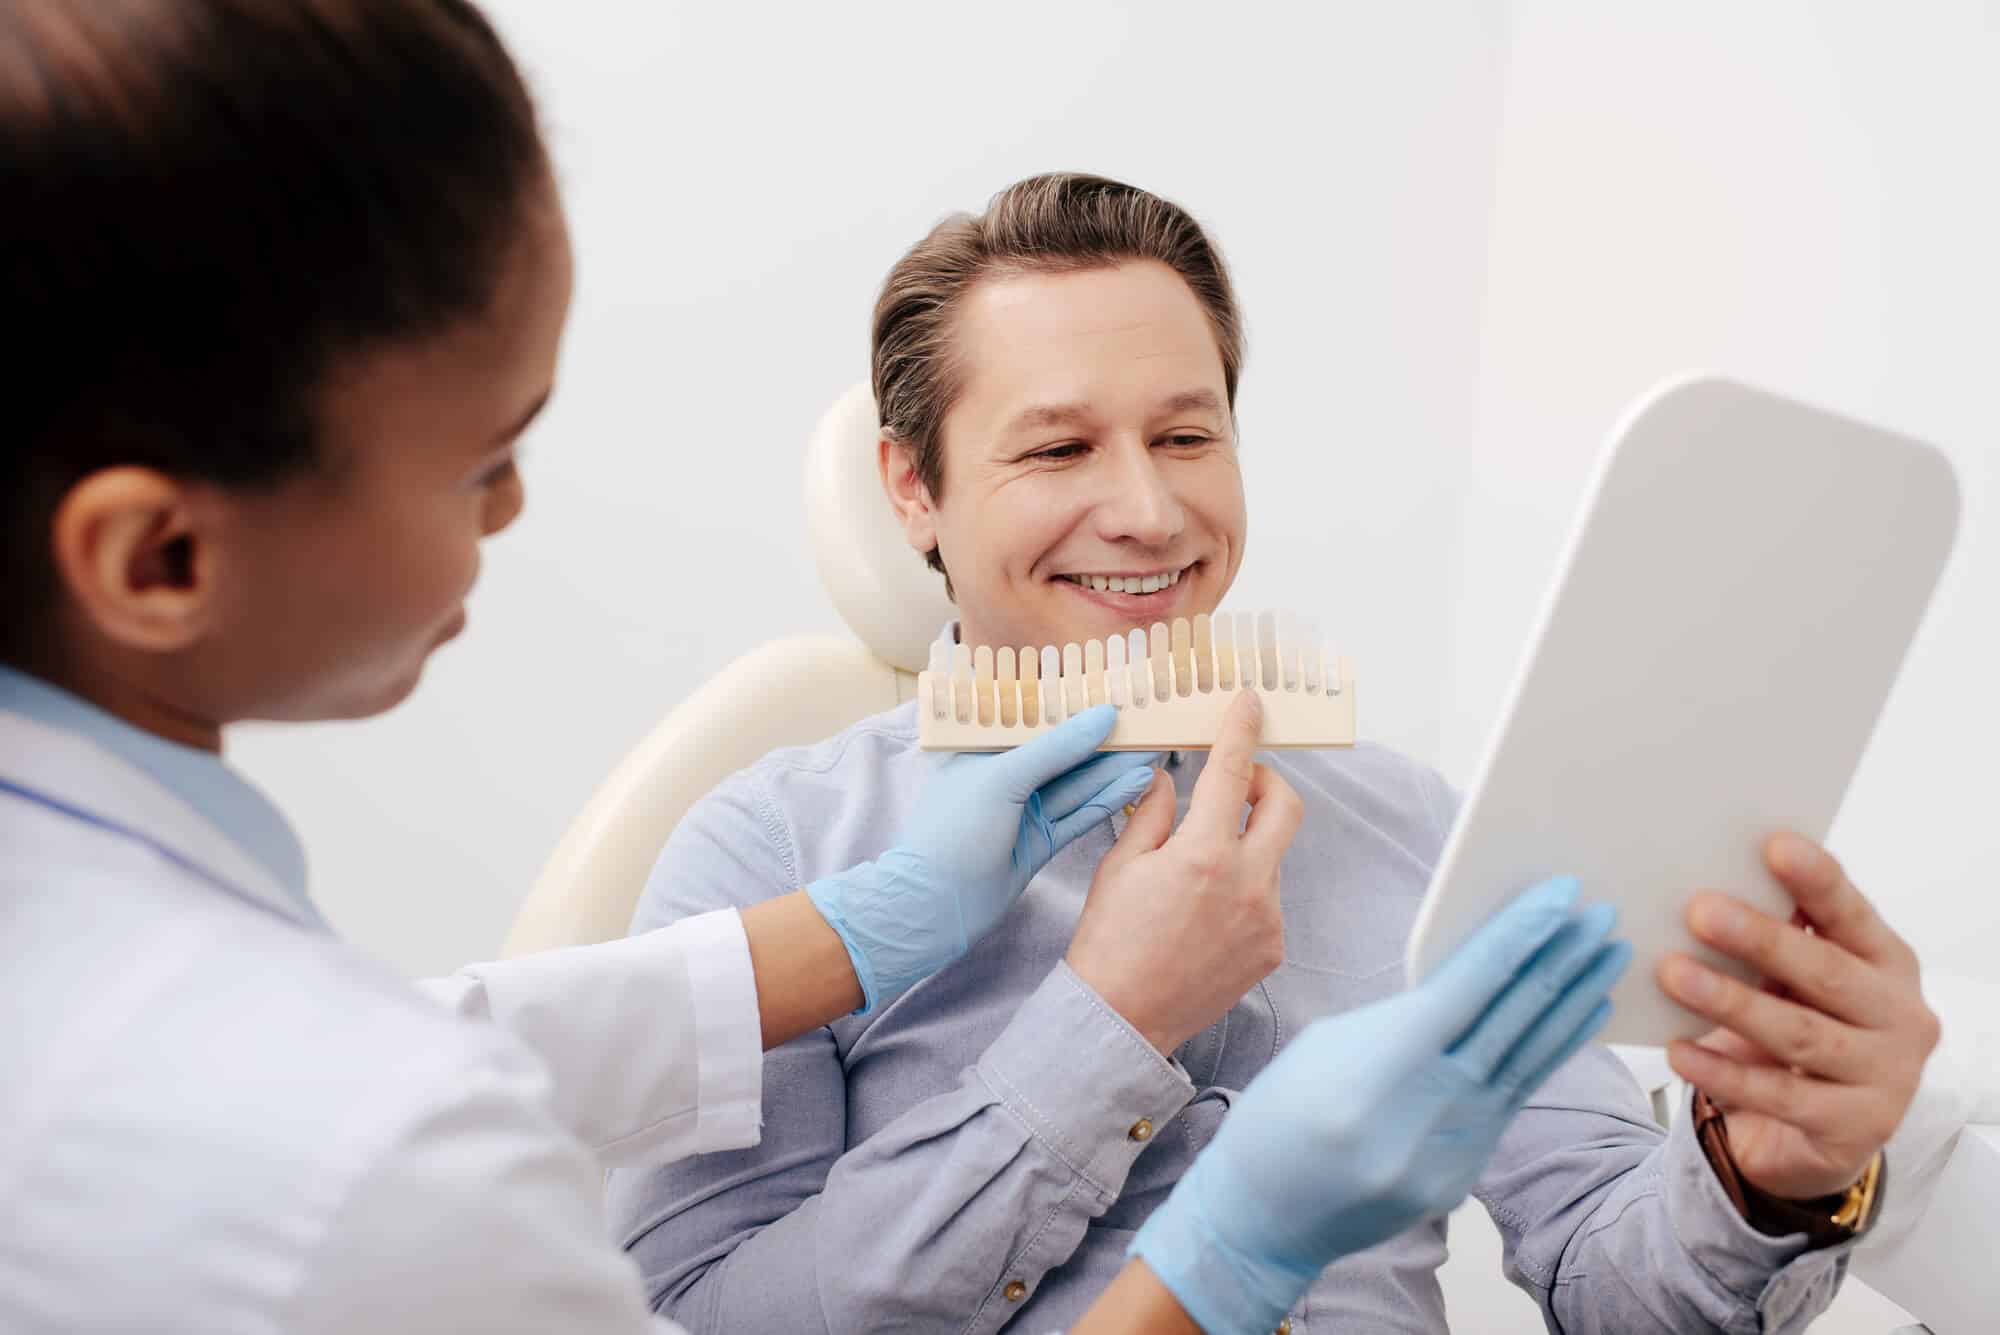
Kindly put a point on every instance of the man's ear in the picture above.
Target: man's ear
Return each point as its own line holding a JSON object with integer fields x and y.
{"x": 915, "y": 508}
{"x": 134, "y": 557}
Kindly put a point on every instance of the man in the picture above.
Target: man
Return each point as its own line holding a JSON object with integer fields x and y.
{"x": 1057, "y": 382}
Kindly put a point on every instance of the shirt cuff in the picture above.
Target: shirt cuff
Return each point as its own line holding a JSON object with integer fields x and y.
{"x": 1088, "y": 1086}
{"x": 729, "y": 1032}
{"x": 1779, "y": 1278}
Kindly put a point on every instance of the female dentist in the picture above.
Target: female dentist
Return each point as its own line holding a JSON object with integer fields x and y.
{"x": 290, "y": 278}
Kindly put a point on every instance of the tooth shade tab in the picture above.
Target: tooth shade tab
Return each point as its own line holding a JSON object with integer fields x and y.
{"x": 1183, "y": 644}
{"x": 1204, "y": 653}
{"x": 1117, "y": 682}
{"x": 1052, "y": 708}
{"x": 1009, "y": 687}
{"x": 1072, "y": 666}
{"x": 982, "y": 685}
{"x": 1031, "y": 690}
{"x": 1247, "y": 671}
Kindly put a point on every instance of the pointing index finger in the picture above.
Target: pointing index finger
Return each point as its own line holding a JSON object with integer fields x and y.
{"x": 1216, "y": 809}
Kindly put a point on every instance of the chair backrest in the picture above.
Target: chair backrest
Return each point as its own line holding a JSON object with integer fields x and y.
{"x": 788, "y": 692}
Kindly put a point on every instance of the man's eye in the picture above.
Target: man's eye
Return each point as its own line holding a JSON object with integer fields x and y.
{"x": 1188, "y": 441}
{"x": 1058, "y": 453}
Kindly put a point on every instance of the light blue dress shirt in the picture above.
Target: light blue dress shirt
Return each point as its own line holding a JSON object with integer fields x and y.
{"x": 981, "y": 1151}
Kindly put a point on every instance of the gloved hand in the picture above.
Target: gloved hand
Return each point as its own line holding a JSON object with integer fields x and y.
{"x": 984, "y": 826}
{"x": 1372, "y": 1121}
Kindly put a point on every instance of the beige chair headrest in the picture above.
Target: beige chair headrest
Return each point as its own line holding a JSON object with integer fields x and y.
{"x": 882, "y": 588}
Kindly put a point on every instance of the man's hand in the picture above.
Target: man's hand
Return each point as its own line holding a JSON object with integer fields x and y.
{"x": 1816, "y": 1070}
{"x": 1177, "y": 929}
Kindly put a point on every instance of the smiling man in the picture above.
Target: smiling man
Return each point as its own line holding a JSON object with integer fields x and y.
{"x": 1057, "y": 381}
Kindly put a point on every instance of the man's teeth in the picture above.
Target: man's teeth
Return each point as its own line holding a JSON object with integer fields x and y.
{"x": 1128, "y": 583}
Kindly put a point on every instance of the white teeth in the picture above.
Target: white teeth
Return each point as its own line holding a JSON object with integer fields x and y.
{"x": 1127, "y": 583}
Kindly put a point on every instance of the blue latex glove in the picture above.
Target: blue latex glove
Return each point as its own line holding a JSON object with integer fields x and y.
{"x": 1372, "y": 1121}
{"x": 984, "y": 826}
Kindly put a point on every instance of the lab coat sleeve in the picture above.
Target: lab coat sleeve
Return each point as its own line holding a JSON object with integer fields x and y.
{"x": 653, "y": 1043}
{"x": 471, "y": 1208}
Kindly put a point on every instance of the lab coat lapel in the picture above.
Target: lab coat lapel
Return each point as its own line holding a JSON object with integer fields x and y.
{"x": 77, "y": 778}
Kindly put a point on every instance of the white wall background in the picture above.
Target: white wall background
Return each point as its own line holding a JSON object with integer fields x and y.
{"x": 1465, "y": 236}
{"x": 1805, "y": 195}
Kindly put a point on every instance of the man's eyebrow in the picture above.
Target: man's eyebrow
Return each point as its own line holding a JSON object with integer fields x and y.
{"x": 1192, "y": 401}
{"x": 1073, "y": 414}
{"x": 1049, "y": 414}
{"x": 513, "y": 432}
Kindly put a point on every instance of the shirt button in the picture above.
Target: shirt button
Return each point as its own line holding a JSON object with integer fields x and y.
{"x": 1142, "y": 1130}
{"x": 1284, "y": 1327}
{"x": 1015, "y": 1290}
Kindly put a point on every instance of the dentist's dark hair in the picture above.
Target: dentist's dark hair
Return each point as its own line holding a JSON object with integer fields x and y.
{"x": 1059, "y": 222}
{"x": 208, "y": 205}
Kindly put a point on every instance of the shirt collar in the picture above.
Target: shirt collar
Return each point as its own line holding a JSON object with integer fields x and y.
{"x": 949, "y": 635}
{"x": 199, "y": 778}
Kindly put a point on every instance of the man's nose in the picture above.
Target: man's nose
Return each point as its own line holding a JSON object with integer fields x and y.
{"x": 1138, "y": 504}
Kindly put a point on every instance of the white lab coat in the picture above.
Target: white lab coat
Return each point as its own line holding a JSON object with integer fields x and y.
{"x": 215, "y": 1117}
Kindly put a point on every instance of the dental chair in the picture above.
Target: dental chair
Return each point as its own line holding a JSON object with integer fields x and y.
{"x": 786, "y": 693}
{"x": 1931, "y": 1252}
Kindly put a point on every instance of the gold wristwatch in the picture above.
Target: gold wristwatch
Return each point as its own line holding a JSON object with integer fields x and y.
{"x": 1826, "y": 1220}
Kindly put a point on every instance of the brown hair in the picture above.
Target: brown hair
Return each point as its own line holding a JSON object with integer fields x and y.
{"x": 210, "y": 203}
{"x": 1058, "y": 222}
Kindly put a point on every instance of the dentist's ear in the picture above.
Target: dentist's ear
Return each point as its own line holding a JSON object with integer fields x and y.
{"x": 914, "y": 506}
{"x": 135, "y": 555}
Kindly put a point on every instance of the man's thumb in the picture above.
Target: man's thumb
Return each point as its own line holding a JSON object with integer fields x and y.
{"x": 1151, "y": 823}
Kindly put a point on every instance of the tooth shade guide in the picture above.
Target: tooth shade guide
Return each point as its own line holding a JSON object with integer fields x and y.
{"x": 1169, "y": 685}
